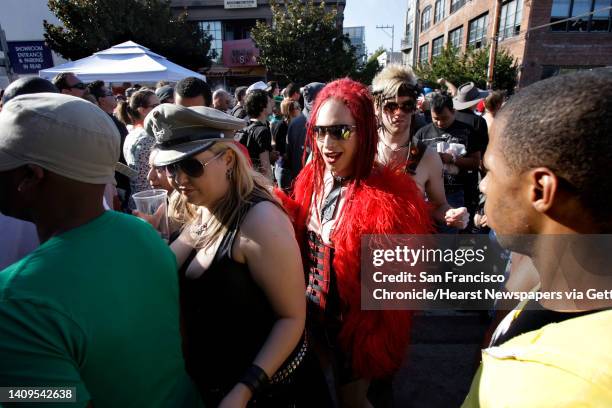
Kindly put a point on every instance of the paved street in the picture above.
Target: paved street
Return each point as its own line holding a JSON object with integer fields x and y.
{"x": 441, "y": 361}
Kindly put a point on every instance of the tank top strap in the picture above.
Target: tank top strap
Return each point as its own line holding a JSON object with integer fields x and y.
{"x": 225, "y": 247}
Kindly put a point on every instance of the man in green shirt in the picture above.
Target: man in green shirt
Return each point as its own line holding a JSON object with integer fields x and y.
{"x": 95, "y": 307}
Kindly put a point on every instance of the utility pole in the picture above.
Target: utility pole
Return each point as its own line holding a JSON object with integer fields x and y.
{"x": 493, "y": 48}
{"x": 392, "y": 35}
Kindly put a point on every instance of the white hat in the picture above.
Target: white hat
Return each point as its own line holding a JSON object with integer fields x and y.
{"x": 66, "y": 135}
{"x": 259, "y": 85}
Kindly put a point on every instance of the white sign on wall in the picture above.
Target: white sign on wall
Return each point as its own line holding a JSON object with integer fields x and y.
{"x": 233, "y": 4}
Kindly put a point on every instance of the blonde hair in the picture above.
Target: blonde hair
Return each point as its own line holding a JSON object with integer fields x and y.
{"x": 393, "y": 81}
{"x": 390, "y": 82}
{"x": 246, "y": 187}
{"x": 287, "y": 106}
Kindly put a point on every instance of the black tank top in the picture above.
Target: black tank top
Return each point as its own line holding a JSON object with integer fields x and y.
{"x": 226, "y": 318}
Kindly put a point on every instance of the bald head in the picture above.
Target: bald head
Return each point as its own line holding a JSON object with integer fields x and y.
{"x": 221, "y": 100}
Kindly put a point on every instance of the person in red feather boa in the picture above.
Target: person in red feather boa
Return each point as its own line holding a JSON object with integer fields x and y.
{"x": 339, "y": 196}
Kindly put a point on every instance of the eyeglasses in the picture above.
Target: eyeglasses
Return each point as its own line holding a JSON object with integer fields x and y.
{"x": 78, "y": 85}
{"x": 191, "y": 166}
{"x": 406, "y": 107}
{"x": 336, "y": 132}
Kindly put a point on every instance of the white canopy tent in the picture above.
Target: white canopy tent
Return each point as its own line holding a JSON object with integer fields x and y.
{"x": 126, "y": 62}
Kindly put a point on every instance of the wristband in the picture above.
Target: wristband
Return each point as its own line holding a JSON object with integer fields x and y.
{"x": 255, "y": 378}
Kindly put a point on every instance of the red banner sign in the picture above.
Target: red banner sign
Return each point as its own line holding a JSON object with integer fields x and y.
{"x": 240, "y": 53}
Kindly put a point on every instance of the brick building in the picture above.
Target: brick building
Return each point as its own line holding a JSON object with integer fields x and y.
{"x": 230, "y": 22}
{"x": 547, "y": 37}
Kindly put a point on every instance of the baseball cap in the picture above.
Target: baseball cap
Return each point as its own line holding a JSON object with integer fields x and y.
{"x": 181, "y": 132}
{"x": 164, "y": 93}
{"x": 61, "y": 133}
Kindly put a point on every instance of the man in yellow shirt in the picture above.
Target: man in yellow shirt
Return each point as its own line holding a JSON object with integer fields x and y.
{"x": 548, "y": 190}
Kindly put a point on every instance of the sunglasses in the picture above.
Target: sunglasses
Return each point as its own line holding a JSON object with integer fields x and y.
{"x": 336, "y": 132}
{"x": 406, "y": 107}
{"x": 79, "y": 85}
{"x": 191, "y": 166}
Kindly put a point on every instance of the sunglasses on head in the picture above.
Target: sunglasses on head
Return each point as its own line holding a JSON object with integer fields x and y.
{"x": 406, "y": 107}
{"x": 190, "y": 166}
{"x": 336, "y": 132}
{"x": 79, "y": 85}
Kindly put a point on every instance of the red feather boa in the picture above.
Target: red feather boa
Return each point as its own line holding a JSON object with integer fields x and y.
{"x": 388, "y": 202}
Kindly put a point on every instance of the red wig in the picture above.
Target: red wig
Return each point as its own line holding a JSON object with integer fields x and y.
{"x": 359, "y": 101}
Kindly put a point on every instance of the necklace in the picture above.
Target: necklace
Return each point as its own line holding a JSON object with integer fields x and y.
{"x": 201, "y": 227}
{"x": 396, "y": 149}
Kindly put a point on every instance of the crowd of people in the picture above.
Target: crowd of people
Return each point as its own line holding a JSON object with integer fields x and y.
{"x": 256, "y": 299}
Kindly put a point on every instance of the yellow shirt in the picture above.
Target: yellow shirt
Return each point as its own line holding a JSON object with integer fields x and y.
{"x": 566, "y": 364}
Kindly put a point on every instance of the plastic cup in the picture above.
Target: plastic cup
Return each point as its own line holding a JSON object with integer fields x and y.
{"x": 153, "y": 205}
{"x": 441, "y": 147}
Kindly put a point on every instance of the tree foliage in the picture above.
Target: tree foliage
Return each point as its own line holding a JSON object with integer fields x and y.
{"x": 94, "y": 25}
{"x": 368, "y": 71}
{"x": 305, "y": 43}
{"x": 470, "y": 66}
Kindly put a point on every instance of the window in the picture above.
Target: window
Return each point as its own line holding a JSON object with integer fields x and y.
{"x": 213, "y": 28}
{"x": 477, "y": 36}
{"x": 455, "y": 37}
{"x": 426, "y": 18}
{"x": 600, "y": 20}
{"x": 439, "y": 10}
{"x": 580, "y": 7}
{"x": 510, "y": 21}
{"x": 560, "y": 11}
{"x": 456, "y": 5}
{"x": 436, "y": 46}
{"x": 408, "y": 38}
{"x": 424, "y": 54}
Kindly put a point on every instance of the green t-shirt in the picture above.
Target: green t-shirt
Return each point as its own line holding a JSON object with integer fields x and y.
{"x": 96, "y": 308}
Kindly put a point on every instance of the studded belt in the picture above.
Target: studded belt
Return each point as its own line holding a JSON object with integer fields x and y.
{"x": 283, "y": 375}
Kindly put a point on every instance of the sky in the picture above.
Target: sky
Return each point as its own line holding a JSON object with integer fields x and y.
{"x": 370, "y": 13}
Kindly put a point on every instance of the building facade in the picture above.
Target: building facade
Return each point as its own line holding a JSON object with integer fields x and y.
{"x": 409, "y": 41}
{"x": 357, "y": 37}
{"x": 388, "y": 57}
{"x": 25, "y": 47}
{"x": 229, "y": 23}
{"x": 547, "y": 37}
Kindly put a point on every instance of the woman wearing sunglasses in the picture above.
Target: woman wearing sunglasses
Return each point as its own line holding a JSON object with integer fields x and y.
{"x": 339, "y": 196}
{"x": 240, "y": 273}
{"x": 138, "y": 144}
{"x": 395, "y": 102}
